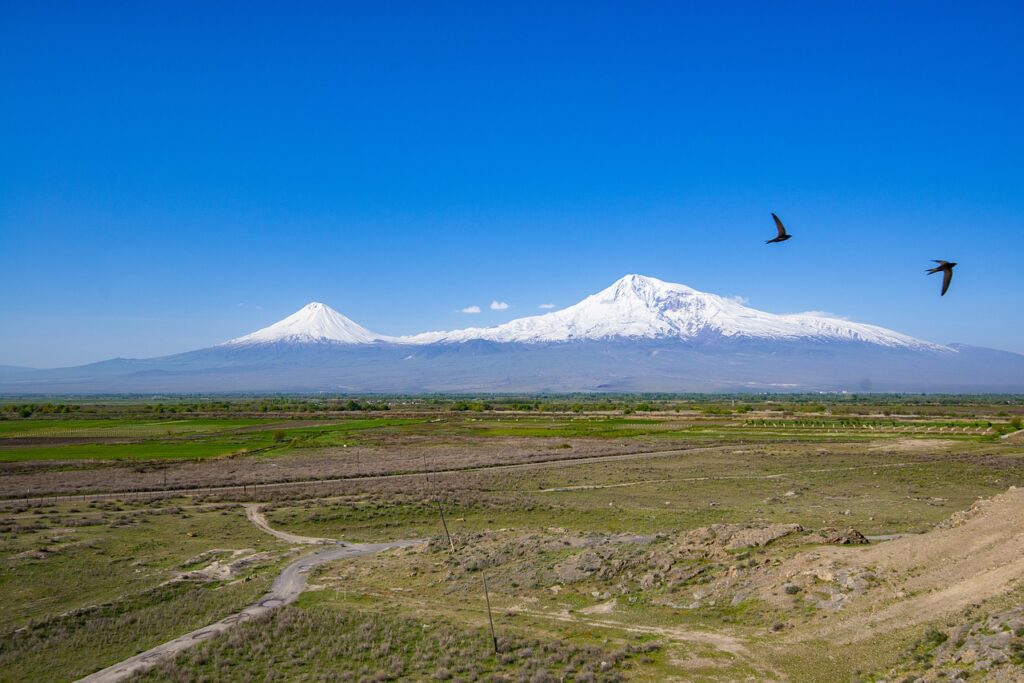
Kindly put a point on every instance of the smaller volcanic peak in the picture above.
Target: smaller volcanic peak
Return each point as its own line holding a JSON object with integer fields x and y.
{"x": 314, "y": 323}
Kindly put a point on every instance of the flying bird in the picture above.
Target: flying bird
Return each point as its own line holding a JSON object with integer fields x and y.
{"x": 947, "y": 273}
{"x": 783, "y": 235}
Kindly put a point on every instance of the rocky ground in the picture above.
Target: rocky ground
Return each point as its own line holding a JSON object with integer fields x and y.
{"x": 990, "y": 649}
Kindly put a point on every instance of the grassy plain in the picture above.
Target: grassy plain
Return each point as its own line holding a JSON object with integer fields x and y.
{"x": 603, "y": 528}
{"x": 85, "y": 586}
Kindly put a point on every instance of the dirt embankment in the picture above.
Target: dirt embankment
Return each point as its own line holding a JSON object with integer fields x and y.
{"x": 975, "y": 556}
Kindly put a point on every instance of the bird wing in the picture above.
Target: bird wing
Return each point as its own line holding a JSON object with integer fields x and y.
{"x": 779, "y": 226}
{"x": 947, "y": 277}
{"x": 943, "y": 263}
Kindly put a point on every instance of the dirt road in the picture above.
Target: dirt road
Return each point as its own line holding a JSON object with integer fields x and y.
{"x": 254, "y": 514}
{"x": 285, "y": 589}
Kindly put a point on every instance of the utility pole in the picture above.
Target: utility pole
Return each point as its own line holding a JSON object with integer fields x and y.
{"x": 440, "y": 509}
{"x": 487, "y": 597}
{"x": 426, "y": 471}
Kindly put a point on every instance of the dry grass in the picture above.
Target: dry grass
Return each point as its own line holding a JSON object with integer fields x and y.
{"x": 321, "y": 644}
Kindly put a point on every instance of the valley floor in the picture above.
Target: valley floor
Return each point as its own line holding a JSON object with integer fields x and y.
{"x": 685, "y": 546}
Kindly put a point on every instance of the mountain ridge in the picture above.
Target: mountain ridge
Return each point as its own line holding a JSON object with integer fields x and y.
{"x": 638, "y": 335}
{"x": 645, "y": 307}
{"x": 633, "y": 307}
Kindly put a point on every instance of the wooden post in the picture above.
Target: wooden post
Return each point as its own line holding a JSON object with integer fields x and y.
{"x": 487, "y": 597}
{"x": 426, "y": 472}
{"x": 440, "y": 509}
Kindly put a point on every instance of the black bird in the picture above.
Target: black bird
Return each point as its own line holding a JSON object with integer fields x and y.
{"x": 783, "y": 235}
{"x": 947, "y": 273}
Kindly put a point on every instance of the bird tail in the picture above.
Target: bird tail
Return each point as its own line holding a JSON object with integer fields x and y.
{"x": 933, "y": 270}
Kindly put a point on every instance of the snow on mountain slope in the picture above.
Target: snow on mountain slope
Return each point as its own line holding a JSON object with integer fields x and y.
{"x": 313, "y": 323}
{"x": 636, "y": 306}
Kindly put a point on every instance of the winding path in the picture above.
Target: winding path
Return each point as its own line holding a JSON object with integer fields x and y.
{"x": 254, "y": 513}
{"x": 285, "y": 589}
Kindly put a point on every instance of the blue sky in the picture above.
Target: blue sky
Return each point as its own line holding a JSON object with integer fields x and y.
{"x": 176, "y": 174}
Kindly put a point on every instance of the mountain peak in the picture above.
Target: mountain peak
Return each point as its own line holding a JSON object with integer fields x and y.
{"x": 641, "y": 288}
{"x": 313, "y": 323}
{"x": 633, "y": 307}
{"x": 642, "y": 307}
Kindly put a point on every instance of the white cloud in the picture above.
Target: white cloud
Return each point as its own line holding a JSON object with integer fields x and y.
{"x": 498, "y": 305}
{"x": 546, "y": 306}
{"x": 741, "y": 300}
{"x": 470, "y": 309}
{"x": 822, "y": 314}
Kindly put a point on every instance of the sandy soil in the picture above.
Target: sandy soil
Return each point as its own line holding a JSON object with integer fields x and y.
{"x": 976, "y": 556}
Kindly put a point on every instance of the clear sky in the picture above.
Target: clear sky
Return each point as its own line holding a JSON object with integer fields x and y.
{"x": 176, "y": 174}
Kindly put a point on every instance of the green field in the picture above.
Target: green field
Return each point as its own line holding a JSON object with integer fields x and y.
{"x": 183, "y": 439}
{"x": 193, "y": 438}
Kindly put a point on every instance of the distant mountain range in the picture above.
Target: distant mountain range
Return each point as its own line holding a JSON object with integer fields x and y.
{"x": 639, "y": 334}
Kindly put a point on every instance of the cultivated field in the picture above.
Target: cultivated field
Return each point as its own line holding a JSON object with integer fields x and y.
{"x": 654, "y": 538}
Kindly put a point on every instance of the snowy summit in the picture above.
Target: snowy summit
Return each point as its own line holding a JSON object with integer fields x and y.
{"x": 639, "y": 334}
{"x": 641, "y": 307}
{"x": 313, "y": 323}
{"x": 634, "y": 307}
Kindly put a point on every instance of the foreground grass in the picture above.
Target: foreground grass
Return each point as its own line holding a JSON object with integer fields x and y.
{"x": 59, "y": 560}
{"x": 74, "y": 645}
{"x": 85, "y": 587}
{"x": 317, "y": 643}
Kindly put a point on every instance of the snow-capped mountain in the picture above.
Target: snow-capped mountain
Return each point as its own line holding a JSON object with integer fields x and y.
{"x": 634, "y": 307}
{"x": 640, "y": 334}
{"x": 641, "y": 307}
{"x": 313, "y": 323}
